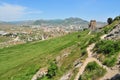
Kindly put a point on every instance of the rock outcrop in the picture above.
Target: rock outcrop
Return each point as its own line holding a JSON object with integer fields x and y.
{"x": 67, "y": 76}
{"x": 42, "y": 72}
{"x": 114, "y": 34}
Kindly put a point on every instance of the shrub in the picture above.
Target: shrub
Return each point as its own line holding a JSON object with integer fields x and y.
{"x": 52, "y": 70}
{"x": 110, "y": 61}
{"x": 110, "y": 49}
{"x": 108, "y": 46}
{"x": 92, "y": 66}
{"x": 78, "y": 36}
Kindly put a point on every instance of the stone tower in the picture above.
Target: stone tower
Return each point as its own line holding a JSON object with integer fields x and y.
{"x": 92, "y": 25}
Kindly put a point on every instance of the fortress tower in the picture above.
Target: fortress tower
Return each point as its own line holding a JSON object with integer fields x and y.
{"x": 92, "y": 25}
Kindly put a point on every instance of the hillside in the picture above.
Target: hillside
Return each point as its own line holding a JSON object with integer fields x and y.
{"x": 70, "y": 57}
{"x": 22, "y": 61}
{"x": 66, "y": 21}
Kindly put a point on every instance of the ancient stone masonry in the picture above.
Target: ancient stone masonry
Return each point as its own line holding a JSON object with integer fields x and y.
{"x": 92, "y": 25}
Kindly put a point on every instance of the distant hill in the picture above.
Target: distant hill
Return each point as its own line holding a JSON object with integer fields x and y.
{"x": 27, "y": 22}
{"x": 2, "y": 22}
{"x": 56, "y": 22}
{"x": 65, "y": 22}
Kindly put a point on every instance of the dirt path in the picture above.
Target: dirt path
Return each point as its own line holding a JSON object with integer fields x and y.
{"x": 89, "y": 59}
{"x": 110, "y": 72}
{"x": 103, "y": 37}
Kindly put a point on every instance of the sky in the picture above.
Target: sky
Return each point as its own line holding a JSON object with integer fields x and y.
{"x": 17, "y": 10}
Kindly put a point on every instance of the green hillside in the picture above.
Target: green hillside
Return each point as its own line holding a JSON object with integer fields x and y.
{"x": 22, "y": 61}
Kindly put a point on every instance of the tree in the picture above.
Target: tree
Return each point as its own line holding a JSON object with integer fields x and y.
{"x": 109, "y": 20}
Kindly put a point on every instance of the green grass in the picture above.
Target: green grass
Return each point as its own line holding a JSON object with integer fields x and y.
{"x": 75, "y": 53}
{"x": 93, "y": 71}
{"x": 20, "y": 62}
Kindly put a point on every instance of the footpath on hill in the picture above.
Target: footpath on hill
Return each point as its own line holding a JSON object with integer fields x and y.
{"x": 110, "y": 72}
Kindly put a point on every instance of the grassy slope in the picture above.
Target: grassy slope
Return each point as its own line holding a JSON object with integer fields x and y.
{"x": 67, "y": 63}
{"x": 99, "y": 71}
{"x": 22, "y": 61}
{"x": 108, "y": 46}
{"x": 108, "y": 28}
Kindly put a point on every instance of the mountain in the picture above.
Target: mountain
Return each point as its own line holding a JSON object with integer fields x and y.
{"x": 56, "y": 22}
{"x": 64, "y": 23}
{"x": 3, "y": 22}
{"x": 27, "y": 22}
{"x": 67, "y": 22}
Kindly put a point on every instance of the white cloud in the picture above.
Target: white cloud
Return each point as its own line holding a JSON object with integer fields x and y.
{"x": 9, "y": 12}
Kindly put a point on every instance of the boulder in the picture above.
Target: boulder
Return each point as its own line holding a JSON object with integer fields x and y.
{"x": 42, "y": 72}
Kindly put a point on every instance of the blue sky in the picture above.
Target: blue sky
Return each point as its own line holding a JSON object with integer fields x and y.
{"x": 15, "y": 10}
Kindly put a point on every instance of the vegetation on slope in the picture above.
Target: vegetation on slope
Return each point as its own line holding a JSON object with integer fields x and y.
{"x": 109, "y": 27}
{"x": 110, "y": 50}
{"x": 75, "y": 53}
{"x": 21, "y": 62}
{"x": 93, "y": 71}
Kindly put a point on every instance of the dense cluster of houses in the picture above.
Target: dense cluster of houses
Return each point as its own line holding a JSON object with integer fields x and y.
{"x": 20, "y": 35}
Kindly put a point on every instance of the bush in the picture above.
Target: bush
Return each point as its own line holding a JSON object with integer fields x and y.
{"x": 52, "y": 70}
{"x": 92, "y": 66}
{"x": 110, "y": 49}
{"x": 78, "y": 36}
{"x": 108, "y": 46}
{"x": 110, "y": 61}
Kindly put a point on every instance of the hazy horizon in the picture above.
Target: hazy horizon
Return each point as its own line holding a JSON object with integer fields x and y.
{"x": 19, "y": 10}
